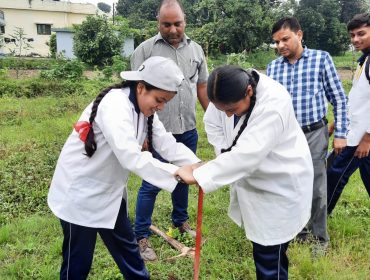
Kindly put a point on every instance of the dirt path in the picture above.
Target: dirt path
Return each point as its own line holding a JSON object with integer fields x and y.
{"x": 344, "y": 74}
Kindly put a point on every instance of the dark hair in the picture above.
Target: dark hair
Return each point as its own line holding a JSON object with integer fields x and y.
{"x": 287, "y": 22}
{"x": 227, "y": 84}
{"x": 358, "y": 21}
{"x": 170, "y": 2}
{"x": 90, "y": 144}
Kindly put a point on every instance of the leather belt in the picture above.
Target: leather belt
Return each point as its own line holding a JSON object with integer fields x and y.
{"x": 314, "y": 126}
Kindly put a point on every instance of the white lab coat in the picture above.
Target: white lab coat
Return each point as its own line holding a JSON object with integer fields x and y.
{"x": 358, "y": 107}
{"x": 270, "y": 167}
{"x": 88, "y": 191}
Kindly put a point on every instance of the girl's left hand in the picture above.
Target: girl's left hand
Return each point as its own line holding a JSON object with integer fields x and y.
{"x": 186, "y": 174}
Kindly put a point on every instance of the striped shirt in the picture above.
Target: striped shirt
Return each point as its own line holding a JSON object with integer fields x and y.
{"x": 312, "y": 81}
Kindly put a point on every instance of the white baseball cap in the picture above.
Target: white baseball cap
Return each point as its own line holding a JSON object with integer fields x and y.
{"x": 157, "y": 71}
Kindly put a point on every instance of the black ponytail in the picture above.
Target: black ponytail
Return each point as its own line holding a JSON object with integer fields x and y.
{"x": 90, "y": 144}
{"x": 244, "y": 124}
{"x": 150, "y": 121}
{"x": 150, "y": 133}
{"x": 228, "y": 84}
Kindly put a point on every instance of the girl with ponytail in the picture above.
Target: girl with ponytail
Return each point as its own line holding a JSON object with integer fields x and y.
{"x": 264, "y": 156}
{"x": 88, "y": 190}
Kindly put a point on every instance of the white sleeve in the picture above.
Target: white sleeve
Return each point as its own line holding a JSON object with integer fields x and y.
{"x": 213, "y": 124}
{"x": 115, "y": 119}
{"x": 257, "y": 140}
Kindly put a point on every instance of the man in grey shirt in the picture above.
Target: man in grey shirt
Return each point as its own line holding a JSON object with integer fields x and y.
{"x": 178, "y": 116}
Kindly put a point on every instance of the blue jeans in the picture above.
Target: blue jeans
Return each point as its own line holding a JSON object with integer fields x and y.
{"x": 343, "y": 166}
{"x": 148, "y": 194}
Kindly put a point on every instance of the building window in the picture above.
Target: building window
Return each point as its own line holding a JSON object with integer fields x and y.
{"x": 43, "y": 29}
{"x": 2, "y": 29}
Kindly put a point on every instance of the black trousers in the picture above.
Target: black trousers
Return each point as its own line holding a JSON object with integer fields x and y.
{"x": 271, "y": 261}
{"x": 341, "y": 169}
{"x": 79, "y": 244}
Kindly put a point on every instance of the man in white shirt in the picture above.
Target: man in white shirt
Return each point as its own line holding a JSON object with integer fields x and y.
{"x": 356, "y": 154}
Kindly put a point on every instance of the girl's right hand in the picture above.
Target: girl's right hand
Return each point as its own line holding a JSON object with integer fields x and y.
{"x": 186, "y": 174}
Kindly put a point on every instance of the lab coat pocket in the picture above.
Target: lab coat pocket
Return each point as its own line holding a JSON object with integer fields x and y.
{"x": 91, "y": 195}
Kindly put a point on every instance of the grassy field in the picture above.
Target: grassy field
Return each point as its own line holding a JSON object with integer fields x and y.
{"x": 32, "y": 133}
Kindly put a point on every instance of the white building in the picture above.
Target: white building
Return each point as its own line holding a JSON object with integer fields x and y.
{"x": 37, "y": 18}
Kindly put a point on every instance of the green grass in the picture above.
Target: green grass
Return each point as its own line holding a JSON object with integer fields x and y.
{"x": 32, "y": 133}
{"x": 347, "y": 61}
{"x": 260, "y": 59}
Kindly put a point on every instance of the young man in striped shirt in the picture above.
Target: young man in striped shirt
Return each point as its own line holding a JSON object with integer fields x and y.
{"x": 311, "y": 79}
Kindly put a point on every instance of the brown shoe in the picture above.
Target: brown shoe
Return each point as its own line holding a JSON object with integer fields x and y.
{"x": 146, "y": 251}
{"x": 185, "y": 227}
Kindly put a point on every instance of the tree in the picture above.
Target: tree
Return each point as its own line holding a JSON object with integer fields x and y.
{"x": 124, "y": 7}
{"x": 53, "y": 45}
{"x": 22, "y": 44}
{"x": 321, "y": 26}
{"x": 104, "y": 7}
{"x": 140, "y": 11}
{"x": 236, "y": 25}
{"x": 205, "y": 36}
{"x": 96, "y": 42}
{"x": 285, "y": 9}
{"x": 313, "y": 26}
{"x": 349, "y": 8}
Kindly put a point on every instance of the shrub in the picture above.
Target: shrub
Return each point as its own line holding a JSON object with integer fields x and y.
{"x": 37, "y": 87}
{"x": 70, "y": 70}
{"x": 53, "y": 45}
{"x": 3, "y": 74}
{"x": 119, "y": 64}
{"x": 27, "y": 63}
{"x": 239, "y": 59}
{"x": 95, "y": 41}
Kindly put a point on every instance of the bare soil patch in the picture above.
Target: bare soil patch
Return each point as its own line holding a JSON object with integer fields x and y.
{"x": 30, "y": 73}
{"x": 344, "y": 74}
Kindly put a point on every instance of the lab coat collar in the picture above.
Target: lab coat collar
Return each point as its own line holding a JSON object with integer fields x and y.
{"x": 363, "y": 57}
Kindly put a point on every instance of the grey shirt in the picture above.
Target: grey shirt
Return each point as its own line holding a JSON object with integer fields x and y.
{"x": 178, "y": 116}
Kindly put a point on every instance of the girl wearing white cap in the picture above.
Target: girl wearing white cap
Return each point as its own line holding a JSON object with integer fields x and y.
{"x": 264, "y": 155}
{"x": 88, "y": 191}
